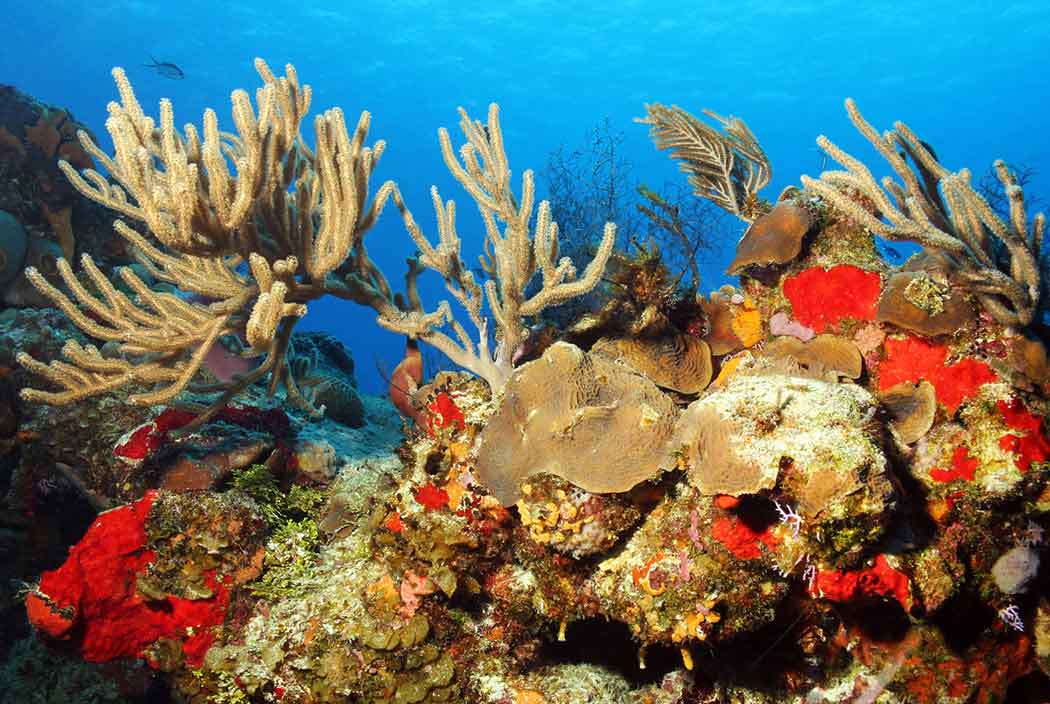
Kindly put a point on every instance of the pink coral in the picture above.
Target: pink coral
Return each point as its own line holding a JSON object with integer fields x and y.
{"x": 413, "y": 586}
{"x": 781, "y": 324}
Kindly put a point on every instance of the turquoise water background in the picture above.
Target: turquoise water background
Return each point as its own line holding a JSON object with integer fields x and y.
{"x": 969, "y": 77}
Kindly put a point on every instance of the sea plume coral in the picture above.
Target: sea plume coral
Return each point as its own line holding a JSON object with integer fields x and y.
{"x": 251, "y": 245}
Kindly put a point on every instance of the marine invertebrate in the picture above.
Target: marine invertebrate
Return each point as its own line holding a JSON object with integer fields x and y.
{"x": 727, "y": 167}
{"x": 822, "y": 298}
{"x": 782, "y": 324}
{"x": 919, "y": 302}
{"x": 1032, "y": 445}
{"x": 207, "y": 220}
{"x": 513, "y": 258}
{"x": 825, "y": 356}
{"x": 912, "y": 359}
{"x": 740, "y": 439}
{"x": 675, "y": 361}
{"x": 297, "y": 217}
{"x": 570, "y": 520}
{"x": 95, "y": 591}
{"x": 912, "y": 408}
{"x": 774, "y": 238}
{"x": 719, "y": 331}
{"x": 742, "y": 540}
{"x": 963, "y": 467}
{"x": 942, "y": 211}
{"x": 881, "y": 579}
{"x": 559, "y": 415}
{"x": 405, "y": 379}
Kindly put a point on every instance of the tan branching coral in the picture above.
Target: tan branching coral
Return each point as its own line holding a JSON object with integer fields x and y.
{"x": 727, "y": 167}
{"x": 579, "y": 416}
{"x": 941, "y": 211}
{"x": 295, "y": 216}
{"x": 214, "y": 202}
{"x": 513, "y": 258}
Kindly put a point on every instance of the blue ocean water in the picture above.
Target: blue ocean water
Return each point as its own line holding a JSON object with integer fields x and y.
{"x": 968, "y": 77}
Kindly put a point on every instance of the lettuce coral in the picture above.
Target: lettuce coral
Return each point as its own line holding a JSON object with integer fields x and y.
{"x": 579, "y": 416}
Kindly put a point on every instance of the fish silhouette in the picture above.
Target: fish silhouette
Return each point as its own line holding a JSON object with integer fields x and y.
{"x": 166, "y": 68}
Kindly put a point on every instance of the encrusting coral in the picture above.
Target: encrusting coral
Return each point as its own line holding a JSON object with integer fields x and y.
{"x": 557, "y": 416}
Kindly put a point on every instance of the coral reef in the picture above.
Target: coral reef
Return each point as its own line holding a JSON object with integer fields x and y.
{"x": 786, "y": 491}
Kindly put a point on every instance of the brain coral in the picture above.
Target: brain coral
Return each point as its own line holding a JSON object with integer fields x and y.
{"x": 581, "y": 417}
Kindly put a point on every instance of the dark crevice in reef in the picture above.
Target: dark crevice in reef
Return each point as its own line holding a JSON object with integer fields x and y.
{"x": 962, "y": 620}
{"x": 608, "y": 644}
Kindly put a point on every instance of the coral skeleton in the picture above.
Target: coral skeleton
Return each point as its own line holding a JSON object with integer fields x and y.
{"x": 1011, "y": 616}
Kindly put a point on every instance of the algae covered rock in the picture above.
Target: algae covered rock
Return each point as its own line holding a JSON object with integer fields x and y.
{"x": 812, "y": 441}
{"x": 572, "y": 521}
{"x": 13, "y": 246}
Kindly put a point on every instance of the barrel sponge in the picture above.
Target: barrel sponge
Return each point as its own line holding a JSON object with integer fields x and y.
{"x": 579, "y": 416}
{"x": 14, "y": 242}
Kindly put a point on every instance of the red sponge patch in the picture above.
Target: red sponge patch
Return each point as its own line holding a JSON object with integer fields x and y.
{"x": 822, "y": 298}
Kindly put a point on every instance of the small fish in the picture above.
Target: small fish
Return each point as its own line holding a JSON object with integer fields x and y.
{"x": 893, "y": 253}
{"x": 166, "y": 68}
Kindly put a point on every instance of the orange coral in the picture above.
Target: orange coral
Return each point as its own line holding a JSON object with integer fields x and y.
{"x": 747, "y": 323}
{"x": 55, "y": 135}
{"x": 61, "y": 224}
{"x": 741, "y": 539}
{"x": 405, "y": 380}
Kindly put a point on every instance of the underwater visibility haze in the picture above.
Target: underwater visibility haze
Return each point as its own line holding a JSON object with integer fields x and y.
{"x": 524, "y": 352}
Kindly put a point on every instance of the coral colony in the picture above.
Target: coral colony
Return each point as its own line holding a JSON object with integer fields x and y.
{"x": 783, "y": 491}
